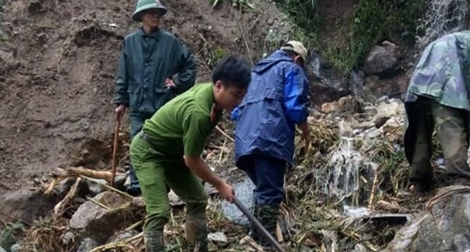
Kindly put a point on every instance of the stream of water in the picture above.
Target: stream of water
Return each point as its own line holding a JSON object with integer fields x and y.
{"x": 442, "y": 17}
{"x": 347, "y": 164}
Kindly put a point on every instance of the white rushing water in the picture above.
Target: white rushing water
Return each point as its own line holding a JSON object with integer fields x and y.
{"x": 442, "y": 17}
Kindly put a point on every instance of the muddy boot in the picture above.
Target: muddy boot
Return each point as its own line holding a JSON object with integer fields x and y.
{"x": 422, "y": 184}
{"x": 268, "y": 216}
{"x": 196, "y": 233}
{"x": 254, "y": 232}
{"x": 154, "y": 241}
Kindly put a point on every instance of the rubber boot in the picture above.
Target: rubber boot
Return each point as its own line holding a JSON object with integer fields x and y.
{"x": 268, "y": 216}
{"x": 254, "y": 232}
{"x": 196, "y": 233}
{"x": 154, "y": 241}
{"x": 134, "y": 187}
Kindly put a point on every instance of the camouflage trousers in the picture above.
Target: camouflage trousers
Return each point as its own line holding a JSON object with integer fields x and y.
{"x": 452, "y": 135}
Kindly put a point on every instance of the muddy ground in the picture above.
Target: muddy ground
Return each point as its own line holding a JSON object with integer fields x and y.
{"x": 58, "y": 61}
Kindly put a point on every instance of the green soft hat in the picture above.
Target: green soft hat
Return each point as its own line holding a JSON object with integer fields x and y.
{"x": 143, "y": 5}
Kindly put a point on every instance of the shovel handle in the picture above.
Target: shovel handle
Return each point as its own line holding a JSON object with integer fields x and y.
{"x": 115, "y": 147}
{"x": 258, "y": 225}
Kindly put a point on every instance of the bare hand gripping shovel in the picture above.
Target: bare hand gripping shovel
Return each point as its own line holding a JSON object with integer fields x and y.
{"x": 258, "y": 224}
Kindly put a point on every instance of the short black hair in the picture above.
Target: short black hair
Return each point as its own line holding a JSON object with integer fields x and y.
{"x": 233, "y": 71}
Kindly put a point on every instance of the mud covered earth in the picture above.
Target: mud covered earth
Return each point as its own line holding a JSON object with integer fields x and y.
{"x": 58, "y": 62}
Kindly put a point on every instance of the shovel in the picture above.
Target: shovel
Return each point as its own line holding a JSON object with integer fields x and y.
{"x": 115, "y": 147}
{"x": 258, "y": 224}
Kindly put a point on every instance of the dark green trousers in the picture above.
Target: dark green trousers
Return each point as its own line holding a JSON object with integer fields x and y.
{"x": 154, "y": 172}
{"x": 452, "y": 135}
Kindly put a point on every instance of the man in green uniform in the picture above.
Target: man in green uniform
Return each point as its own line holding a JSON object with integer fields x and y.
{"x": 154, "y": 67}
{"x": 168, "y": 152}
{"x": 438, "y": 96}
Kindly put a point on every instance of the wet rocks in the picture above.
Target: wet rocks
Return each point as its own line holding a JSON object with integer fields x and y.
{"x": 244, "y": 192}
{"x": 444, "y": 227}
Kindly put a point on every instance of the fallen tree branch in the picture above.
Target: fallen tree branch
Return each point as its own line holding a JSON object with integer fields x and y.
{"x": 119, "y": 244}
{"x": 59, "y": 208}
{"x": 372, "y": 193}
{"x": 223, "y": 133}
{"x": 445, "y": 193}
{"x": 81, "y": 171}
{"x": 52, "y": 185}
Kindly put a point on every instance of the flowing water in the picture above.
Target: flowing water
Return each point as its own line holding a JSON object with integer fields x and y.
{"x": 244, "y": 193}
{"x": 348, "y": 165}
{"x": 441, "y": 17}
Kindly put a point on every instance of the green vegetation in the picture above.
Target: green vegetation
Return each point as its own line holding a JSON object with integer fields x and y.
{"x": 377, "y": 20}
{"x": 239, "y": 3}
{"x": 7, "y": 238}
{"x": 304, "y": 13}
{"x": 373, "y": 22}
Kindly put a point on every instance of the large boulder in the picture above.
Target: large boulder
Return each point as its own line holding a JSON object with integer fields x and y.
{"x": 106, "y": 214}
{"x": 26, "y": 205}
{"x": 445, "y": 226}
{"x": 327, "y": 84}
{"x": 383, "y": 60}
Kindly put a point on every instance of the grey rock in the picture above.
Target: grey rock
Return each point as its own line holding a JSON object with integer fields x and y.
{"x": 67, "y": 238}
{"x": 360, "y": 248}
{"x": 87, "y": 244}
{"x": 382, "y": 60}
{"x": 16, "y": 248}
{"x": 218, "y": 237}
{"x": 95, "y": 186}
{"x": 100, "y": 222}
{"x": 444, "y": 227}
{"x": 244, "y": 192}
{"x": 26, "y": 205}
{"x": 122, "y": 236}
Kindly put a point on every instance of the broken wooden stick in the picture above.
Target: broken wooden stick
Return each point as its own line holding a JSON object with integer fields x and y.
{"x": 372, "y": 193}
{"x": 115, "y": 147}
{"x": 249, "y": 242}
{"x": 119, "y": 244}
{"x": 223, "y": 133}
{"x": 61, "y": 206}
{"x": 81, "y": 171}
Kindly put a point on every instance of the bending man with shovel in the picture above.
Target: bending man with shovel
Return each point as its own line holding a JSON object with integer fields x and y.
{"x": 168, "y": 152}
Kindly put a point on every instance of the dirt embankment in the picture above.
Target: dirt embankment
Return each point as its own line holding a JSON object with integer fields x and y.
{"x": 58, "y": 65}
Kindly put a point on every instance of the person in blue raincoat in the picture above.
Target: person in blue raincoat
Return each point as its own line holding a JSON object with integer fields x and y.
{"x": 277, "y": 100}
{"x": 154, "y": 67}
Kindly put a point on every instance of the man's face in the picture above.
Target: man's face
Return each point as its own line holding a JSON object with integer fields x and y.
{"x": 152, "y": 17}
{"x": 228, "y": 97}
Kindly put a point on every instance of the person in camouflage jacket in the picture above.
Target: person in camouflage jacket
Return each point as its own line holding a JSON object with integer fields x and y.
{"x": 438, "y": 97}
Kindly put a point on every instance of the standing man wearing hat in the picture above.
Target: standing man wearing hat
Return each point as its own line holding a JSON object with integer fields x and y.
{"x": 154, "y": 67}
{"x": 277, "y": 100}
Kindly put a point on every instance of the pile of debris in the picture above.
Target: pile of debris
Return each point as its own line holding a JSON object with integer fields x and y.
{"x": 347, "y": 192}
